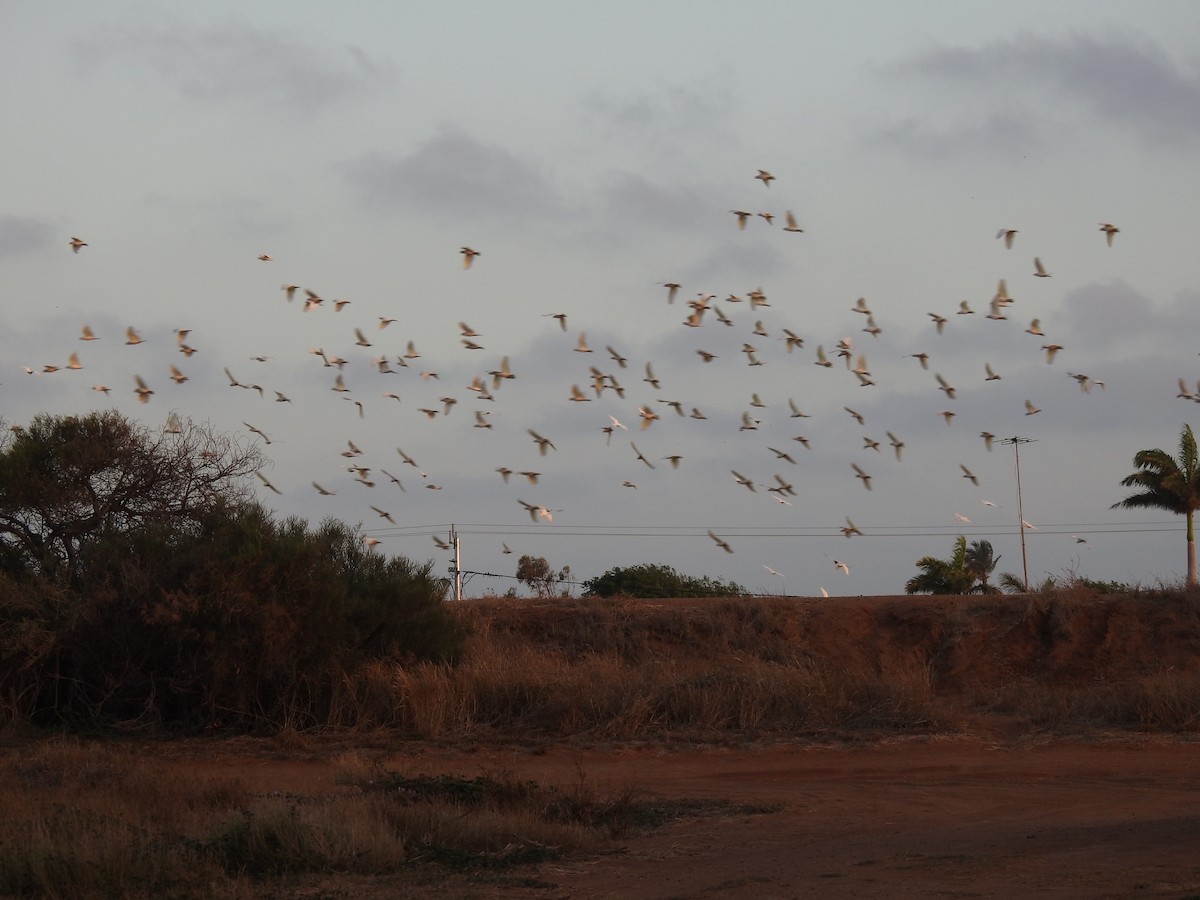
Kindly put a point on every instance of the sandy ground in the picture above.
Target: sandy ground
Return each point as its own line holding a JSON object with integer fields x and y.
{"x": 936, "y": 818}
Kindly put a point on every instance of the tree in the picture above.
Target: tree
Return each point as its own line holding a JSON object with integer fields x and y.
{"x": 650, "y": 580}
{"x": 1171, "y": 484}
{"x": 980, "y": 561}
{"x": 541, "y": 578}
{"x": 945, "y": 576}
{"x": 230, "y": 619}
{"x": 66, "y": 480}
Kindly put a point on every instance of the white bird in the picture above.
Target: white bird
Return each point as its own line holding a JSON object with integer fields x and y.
{"x": 76, "y": 243}
{"x": 468, "y": 256}
{"x": 1008, "y": 234}
{"x": 791, "y": 223}
{"x": 1030, "y": 409}
{"x": 743, "y": 480}
{"x": 841, "y": 565}
{"x": 1109, "y": 231}
{"x": 961, "y": 518}
{"x": 1039, "y": 269}
{"x": 866, "y": 479}
{"x": 143, "y": 392}
{"x": 263, "y": 479}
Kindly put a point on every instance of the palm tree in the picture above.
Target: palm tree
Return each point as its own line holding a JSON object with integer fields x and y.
{"x": 943, "y": 576}
{"x": 1168, "y": 483}
{"x": 981, "y": 562}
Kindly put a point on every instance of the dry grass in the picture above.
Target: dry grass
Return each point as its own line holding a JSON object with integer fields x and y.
{"x": 1069, "y": 659}
{"x": 90, "y": 820}
{"x": 87, "y": 820}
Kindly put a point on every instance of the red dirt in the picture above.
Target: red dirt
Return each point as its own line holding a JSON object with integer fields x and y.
{"x": 917, "y": 817}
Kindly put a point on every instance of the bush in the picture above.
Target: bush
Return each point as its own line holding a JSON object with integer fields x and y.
{"x": 217, "y": 616}
{"x": 650, "y": 580}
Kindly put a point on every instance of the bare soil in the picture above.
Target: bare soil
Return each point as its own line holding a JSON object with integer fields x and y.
{"x": 918, "y": 817}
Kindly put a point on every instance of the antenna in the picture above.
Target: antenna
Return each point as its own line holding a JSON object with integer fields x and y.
{"x": 1016, "y": 445}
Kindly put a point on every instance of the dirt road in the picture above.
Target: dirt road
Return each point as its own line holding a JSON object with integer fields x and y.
{"x": 930, "y": 818}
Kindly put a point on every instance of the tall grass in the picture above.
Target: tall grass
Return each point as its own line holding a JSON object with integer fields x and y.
{"x": 89, "y": 820}
{"x": 1071, "y": 659}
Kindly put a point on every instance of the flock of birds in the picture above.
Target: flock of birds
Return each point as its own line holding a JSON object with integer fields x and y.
{"x": 729, "y": 329}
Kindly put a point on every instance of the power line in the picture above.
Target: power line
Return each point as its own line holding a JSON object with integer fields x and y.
{"x": 812, "y": 531}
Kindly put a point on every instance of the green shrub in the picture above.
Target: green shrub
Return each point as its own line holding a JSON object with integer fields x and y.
{"x": 651, "y": 580}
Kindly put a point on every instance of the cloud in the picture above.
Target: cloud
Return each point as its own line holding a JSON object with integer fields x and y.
{"x": 997, "y": 135}
{"x": 1122, "y": 80}
{"x": 21, "y": 234}
{"x": 669, "y": 111}
{"x": 235, "y": 61}
{"x": 1107, "y": 315}
{"x": 453, "y": 174}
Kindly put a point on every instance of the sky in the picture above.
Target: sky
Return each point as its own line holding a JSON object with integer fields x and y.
{"x": 592, "y": 154}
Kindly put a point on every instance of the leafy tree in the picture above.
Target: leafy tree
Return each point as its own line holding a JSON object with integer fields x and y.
{"x": 140, "y": 585}
{"x": 234, "y": 619}
{"x": 947, "y": 576}
{"x": 1168, "y": 483}
{"x": 65, "y": 480}
{"x": 537, "y": 573}
{"x": 651, "y": 580}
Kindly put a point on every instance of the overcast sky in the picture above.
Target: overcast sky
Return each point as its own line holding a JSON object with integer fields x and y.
{"x": 591, "y": 154}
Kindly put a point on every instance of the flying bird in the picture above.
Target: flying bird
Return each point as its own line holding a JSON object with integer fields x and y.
{"x": 468, "y": 256}
{"x": 720, "y": 542}
{"x": 1109, "y": 231}
{"x": 143, "y": 393}
{"x": 866, "y": 479}
{"x": 263, "y": 479}
{"x": 76, "y": 243}
{"x": 1008, "y": 234}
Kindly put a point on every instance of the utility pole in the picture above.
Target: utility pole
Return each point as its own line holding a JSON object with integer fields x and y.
{"x": 1016, "y": 445}
{"x": 456, "y": 564}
